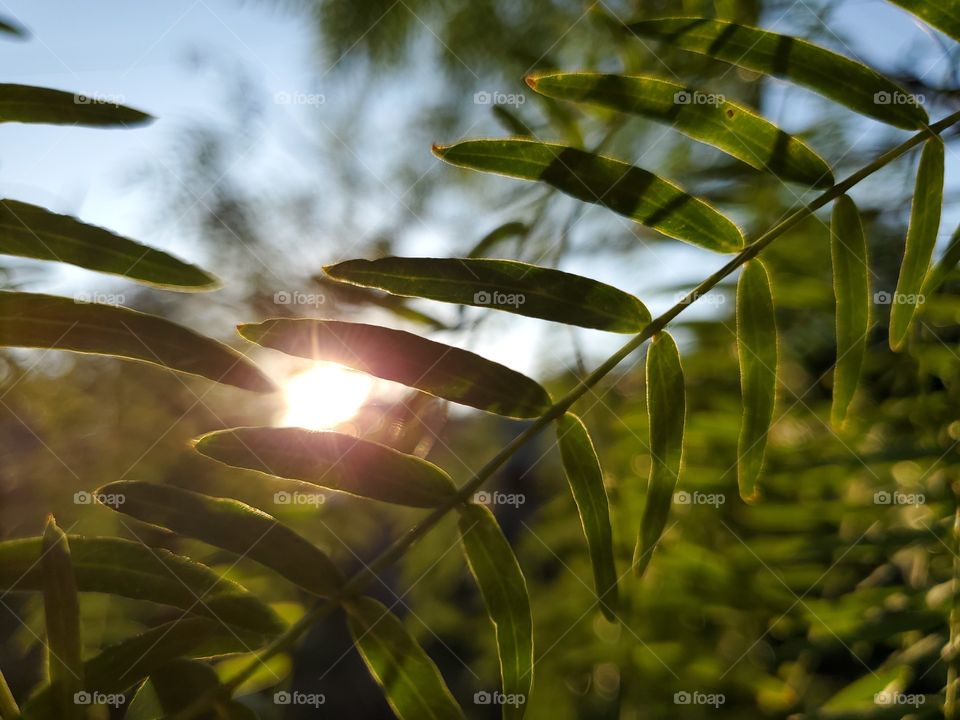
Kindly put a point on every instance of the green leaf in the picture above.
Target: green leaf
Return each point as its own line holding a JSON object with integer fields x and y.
{"x": 332, "y": 460}
{"x": 921, "y": 239}
{"x": 28, "y": 104}
{"x": 582, "y": 467}
{"x": 174, "y": 687}
{"x": 231, "y": 525}
{"x": 504, "y": 591}
{"x": 121, "y": 666}
{"x": 514, "y": 287}
{"x": 442, "y": 370}
{"x": 945, "y": 266}
{"x": 398, "y": 306}
{"x": 757, "y": 350}
{"x": 497, "y": 236}
{"x": 133, "y": 570}
{"x": 711, "y": 119}
{"x": 62, "y": 612}
{"x": 9, "y": 710}
{"x": 48, "y": 321}
{"x": 666, "y": 408}
{"x": 34, "y": 232}
{"x": 851, "y": 286}
{"x": 944, "y": 15}
{"x": 410, "y": 680}
{"x": 834, "y": 76}
{"x": 619, "y": 186}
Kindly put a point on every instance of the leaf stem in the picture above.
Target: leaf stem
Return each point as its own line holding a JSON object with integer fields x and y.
{"x": 363, "y": 578}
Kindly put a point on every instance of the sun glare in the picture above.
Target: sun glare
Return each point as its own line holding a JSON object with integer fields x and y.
{"x": 324, "y": 396}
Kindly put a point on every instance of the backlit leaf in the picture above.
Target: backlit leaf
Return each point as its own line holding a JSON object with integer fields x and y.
{"x": 851, "y": 286}
{"x": 48, "y": 321}
{"x": 626, "y": 189}
{"x": 582, "y": 467}
{"x": 834, "y": 76}
{"x": 442, "y": 370}
{"x": 921, "y": 239}
{"x": 28, "y": 104}
{"x": 666, "y": 408}
{"x": 332, "y": 460}
{"x": 711, "y": 119}
{"x": 504, "y": 591}
{"x": 62, "y": 613}
{"x": 231, "y": 525}
{"x": 946, "y": 265}
{"x": 133, "y": 570}
{"x": 33, "y": 232}
{"x": 502, "y": 285}
{"x": 119, "y": 667}
{"x": 757, "y": 350}
{"x": 9, "y": 710}
{"x": 175, "y": 686}
{"x": 944, "y": 15}
{"x": 410, "y": 680}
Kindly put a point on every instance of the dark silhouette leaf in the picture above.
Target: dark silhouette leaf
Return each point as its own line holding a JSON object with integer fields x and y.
{"x": 442, "y": 370}
{"x": 33, "y": 232}
{"x": 231, "y": 525}
{"x": 47, "y": 321}
{"x": 28, "y": 104}
{"x": 332, "y": 460}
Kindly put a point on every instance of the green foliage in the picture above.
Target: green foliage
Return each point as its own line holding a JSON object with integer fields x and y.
{"x": 504, "y": 591}
{"x": 502, "y": 285}
{"x": 582, "y": 467}
{"x": 411, "y": 682}
{"x": 332, "y": 460}
{"x": 626, "y": 189}
{"x": 851, "y": 286}
{"x": 921, "y": 238}
{"x": 757, "y": 350}
{"x": 731, "y": 127}
{"x": 667, "y": 409}
{"x": 892, "y": 585}
{"x": 48, "y": 321}
{"x": 441, "y": 370}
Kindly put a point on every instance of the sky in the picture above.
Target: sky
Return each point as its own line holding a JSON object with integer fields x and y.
{"x": 140, "y": 54}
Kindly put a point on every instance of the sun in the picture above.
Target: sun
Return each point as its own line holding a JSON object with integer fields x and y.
{"x": 324, "y": 396}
